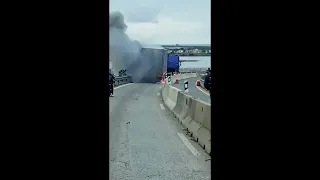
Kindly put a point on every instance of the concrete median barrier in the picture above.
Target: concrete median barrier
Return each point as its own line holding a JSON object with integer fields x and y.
{"x": 183, "y": 106}
{"x": 189, "y": 122}
{"x": 192, "y": 113}
{"x": 202, "y": 115}
{"x": 203, "y": 137}
{"x": 172, "y": 95}
{"x": 178, "y": 108}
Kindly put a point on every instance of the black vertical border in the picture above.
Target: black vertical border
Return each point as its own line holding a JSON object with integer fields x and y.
{"x": 254, "y": 45}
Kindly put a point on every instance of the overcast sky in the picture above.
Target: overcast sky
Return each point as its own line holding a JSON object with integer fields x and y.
{"x": 166, "y": 21}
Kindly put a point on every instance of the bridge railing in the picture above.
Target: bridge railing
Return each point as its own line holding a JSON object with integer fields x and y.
{"x": 192, "y": 70}
{"x": 122, "y": 80}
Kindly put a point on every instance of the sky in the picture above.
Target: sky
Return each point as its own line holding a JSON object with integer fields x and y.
{"x": 166, "y": 21}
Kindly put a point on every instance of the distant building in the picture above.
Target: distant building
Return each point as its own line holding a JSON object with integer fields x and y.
{"x": 196, "y": 51}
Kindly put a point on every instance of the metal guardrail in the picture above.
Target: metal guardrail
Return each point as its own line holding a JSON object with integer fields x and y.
{"x": 122, "y": 80}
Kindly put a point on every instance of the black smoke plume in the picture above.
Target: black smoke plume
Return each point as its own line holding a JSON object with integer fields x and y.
{"x": 124, "y": 52}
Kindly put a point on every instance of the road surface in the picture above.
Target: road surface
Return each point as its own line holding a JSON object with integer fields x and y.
{"x": 194, "y": 91}
{"x": 146, "y": 142}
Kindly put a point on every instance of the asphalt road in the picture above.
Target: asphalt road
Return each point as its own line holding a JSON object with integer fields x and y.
{"x": 146, "y": 142}
{"x": 194, "y": 91}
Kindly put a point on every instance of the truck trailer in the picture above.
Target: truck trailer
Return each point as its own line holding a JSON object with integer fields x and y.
{"x": 151, "y": 66}
{"x": 173, "y": 63}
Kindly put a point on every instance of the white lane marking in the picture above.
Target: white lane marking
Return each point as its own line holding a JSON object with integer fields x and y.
{"x": 158, "y": 94}
{"x": 202, "y": 90}
{"x": 162, "y": 107}
{"x": 189, "y": 145}
{"x": 123, "y": 85}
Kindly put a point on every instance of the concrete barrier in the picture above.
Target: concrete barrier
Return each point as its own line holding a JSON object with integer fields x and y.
{"x": 203, "y": 137}
{"x": 189, "y": 122}
{"x": 202, "y": 115}
{"x": 183, "y": 106}
{"x": 172, "y": 96}
{"x": 192, "y": 113}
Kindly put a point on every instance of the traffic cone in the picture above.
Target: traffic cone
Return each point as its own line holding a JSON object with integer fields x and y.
{"x": 162, "y": 81}
{"x": 177, "y": 81}
{"x": 198, "y": 83}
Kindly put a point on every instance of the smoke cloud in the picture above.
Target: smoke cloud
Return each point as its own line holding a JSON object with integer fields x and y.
{"x": 124, "y": 52}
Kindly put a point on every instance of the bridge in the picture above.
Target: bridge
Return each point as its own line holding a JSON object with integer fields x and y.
{"x": 178, "y": 46}
{"x": 158, "y": 131}
{"x": 189, "y": 49}
{"x": 193, "y": 70}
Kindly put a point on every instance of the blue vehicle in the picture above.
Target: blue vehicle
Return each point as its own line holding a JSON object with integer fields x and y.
{"x": 173, "y": 64}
